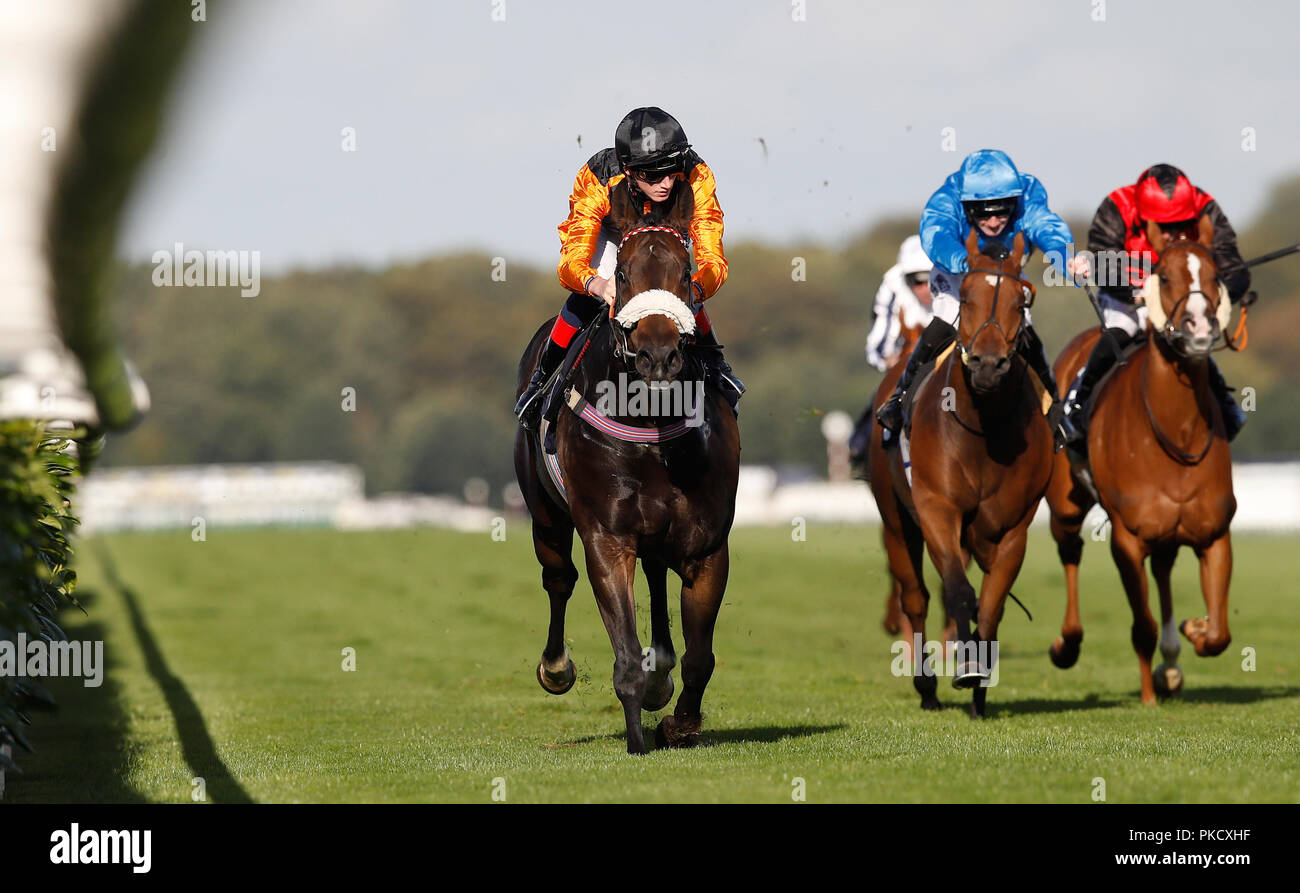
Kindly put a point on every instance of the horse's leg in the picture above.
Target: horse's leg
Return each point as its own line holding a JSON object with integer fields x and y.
{"x": 703, "y": 584}
{"x": 943, "y": 535}
{"x": 894, "y": 616}
{"x": 611, "y": 564}
{"x": 662, "y": 657}
{"x": 1067, "y": 520}
{"x": 915, "y": 602}
{"x": 1130, "y": 554}
{"x": 1003, "y": 567}
{"x": 554, "y": 547}
{"x": 895, "y": 619}
{"x": 1210, "y": 633}
{"x": 1167, "y": 678}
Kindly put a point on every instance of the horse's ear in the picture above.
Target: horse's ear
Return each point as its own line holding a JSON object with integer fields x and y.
{"x": 624, "y": 209}
{"x": 1205, "y": 231}
{"x": 1018, "y": 250}
{"x": 973, "y": 242}
{"x": 681, "y": 207}
{"x": 1156, "y": 236}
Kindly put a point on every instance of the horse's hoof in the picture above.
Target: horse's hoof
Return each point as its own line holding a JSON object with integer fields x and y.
{"x": 969, "y": 675}
{"x": 557, "y": 683}
{"x": 1167, "y": 680}
{"x": 1194, "y": 628}
{"x": 654, "y": 701}
{"x": 1064, "y": 654}
{"x": 931, "y": 704}
{"x": 675, "y": 732}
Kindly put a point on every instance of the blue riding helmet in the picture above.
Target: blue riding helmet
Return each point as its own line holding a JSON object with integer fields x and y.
{"x": 987, "y": 181}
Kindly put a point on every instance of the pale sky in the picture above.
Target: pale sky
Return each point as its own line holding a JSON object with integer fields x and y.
{"x": 467, "y": 128}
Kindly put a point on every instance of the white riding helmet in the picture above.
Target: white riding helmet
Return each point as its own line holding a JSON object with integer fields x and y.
{"x": 912, "y": 257}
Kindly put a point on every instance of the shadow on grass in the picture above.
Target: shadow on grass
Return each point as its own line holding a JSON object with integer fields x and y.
{"x": 1222, "y": 694}
{"x": 82, "y": 754}
{"x": 197, "y": 746}
{"x": 1004, "y": 709}
{"x": 710, "y": 737}
{"x": 1237, "y": 694}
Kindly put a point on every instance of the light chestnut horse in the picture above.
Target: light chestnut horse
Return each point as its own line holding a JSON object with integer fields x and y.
{"x": 1160, "y": 464}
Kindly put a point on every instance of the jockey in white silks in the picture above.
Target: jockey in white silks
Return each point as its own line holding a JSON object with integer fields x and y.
{"x": 903, "y": 300}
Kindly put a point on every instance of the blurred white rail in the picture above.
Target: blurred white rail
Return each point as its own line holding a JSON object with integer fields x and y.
{"x": 327, "y": 494}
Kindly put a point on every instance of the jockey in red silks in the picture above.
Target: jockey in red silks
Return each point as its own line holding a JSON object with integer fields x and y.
{"x": 1162, "y": 194}
{"x": 990, "y": 195}
{"x": 650, "y": 156}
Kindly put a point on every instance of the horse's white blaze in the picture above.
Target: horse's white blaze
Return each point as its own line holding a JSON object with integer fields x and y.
{"x": 991, "y": 280}
{"x": 657, "y": 301}
{"x": 1197, "y": 305}
{"x": 1194, "y": 269}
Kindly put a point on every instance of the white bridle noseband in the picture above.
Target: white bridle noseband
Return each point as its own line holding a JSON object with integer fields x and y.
{"x": 656, "y": 301}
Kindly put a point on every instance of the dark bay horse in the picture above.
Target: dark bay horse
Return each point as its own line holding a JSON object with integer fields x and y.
{"x": 1159, "y": 461}
{"x": 981, "y": 458}
{"x": 668, "y": 501}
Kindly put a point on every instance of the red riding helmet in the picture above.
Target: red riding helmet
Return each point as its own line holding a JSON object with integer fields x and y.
{"x": 1165, "y": 195}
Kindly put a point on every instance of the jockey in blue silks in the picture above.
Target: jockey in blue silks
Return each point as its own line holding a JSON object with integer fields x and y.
{"x": 989, "y": 194}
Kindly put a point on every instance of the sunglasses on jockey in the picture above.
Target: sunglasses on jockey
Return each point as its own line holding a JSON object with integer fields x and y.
{"x": 915, "y": 279}
{"x": 985, "y": 210}
{"x": 653, "y": 178}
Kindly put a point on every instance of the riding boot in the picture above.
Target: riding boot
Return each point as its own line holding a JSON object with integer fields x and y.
{"x": 1102, "y": 358}
{"x": 732, "y": 387}
{"x": 860, "y": 444}
{"x": 1233, "y": 416}
{"x": 1031, "y": 348}
{"x": 937, "y": 335}
{"x": 529, "y": 404}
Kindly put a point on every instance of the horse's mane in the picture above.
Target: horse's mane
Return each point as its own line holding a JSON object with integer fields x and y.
{"x": 995, "y": 250}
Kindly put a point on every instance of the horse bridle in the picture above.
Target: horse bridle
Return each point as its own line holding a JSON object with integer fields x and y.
{"x": 621, "y": 349}
{"x": 1028, "y": 293}
{"x": 1176, "y": 340}
{"x": 1170, "y": 333}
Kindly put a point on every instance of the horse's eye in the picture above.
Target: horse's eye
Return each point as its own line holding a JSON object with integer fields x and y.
{"x": 620, "y": 276}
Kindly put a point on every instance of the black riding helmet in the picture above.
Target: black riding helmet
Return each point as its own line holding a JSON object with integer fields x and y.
{"x": 990, "y": 207}
{"x": 650, "y": 140}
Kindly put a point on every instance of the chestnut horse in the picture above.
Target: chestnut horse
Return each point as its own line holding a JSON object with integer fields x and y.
{"x": 668, "y": 501}
{"x": 867, "y": 433}
{"x": 892, "y": 518}
{"x": 981, "y": 458}
{"x": 1159, "y": 462}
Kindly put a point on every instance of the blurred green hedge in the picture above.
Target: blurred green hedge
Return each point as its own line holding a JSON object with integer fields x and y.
{"x": 37, "y": 474}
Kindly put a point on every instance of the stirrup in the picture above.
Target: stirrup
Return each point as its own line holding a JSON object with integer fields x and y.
{"x": 890, "y": 414}
{"x": 527, "y": 406}
{"x": 729, "y": 378}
